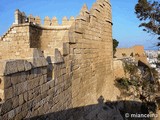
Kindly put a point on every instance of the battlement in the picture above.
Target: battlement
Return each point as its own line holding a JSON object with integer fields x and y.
{"x": 21, "y": 18}
{"x": 85, "y": 14}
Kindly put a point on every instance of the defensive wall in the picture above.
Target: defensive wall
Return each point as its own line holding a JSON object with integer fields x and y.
{"x": 50, "y": 67}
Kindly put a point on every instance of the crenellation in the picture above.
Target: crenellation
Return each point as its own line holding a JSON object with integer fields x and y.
{"x": 72, "y": 19}
{"x": 47, "y": 21}
{"x": 38, "y": 20}
{"x": 54, "y": 21}
{"x": 64, "y": 20}
{"x": 31, "y": 18}
{"x": 84, "y": 10}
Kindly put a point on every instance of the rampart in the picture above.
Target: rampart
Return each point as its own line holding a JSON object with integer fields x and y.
{"x": 51, "y": 67}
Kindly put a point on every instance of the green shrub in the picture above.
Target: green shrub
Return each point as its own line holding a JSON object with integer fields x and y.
{"x": 122, "y": 83}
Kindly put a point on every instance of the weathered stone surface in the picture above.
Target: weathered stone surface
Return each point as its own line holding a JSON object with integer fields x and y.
{"x": 15, "y": 101}
{"x": 8, "y": 93}
{"x": 79, "y": 53}
{"x": 3, "y": 67}
{"x": 11, "y": 114}
{"x": 27, "y": 65}
{"x": 11, "y": 67}
{"x": 58, "y": 57}
{"x": 6, "y": 107}
{"x": 5, "y": 82}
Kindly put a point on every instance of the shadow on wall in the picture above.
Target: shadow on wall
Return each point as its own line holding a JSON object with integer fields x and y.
{"x": 116, "y": 110}
{"x": 35, "y": 34}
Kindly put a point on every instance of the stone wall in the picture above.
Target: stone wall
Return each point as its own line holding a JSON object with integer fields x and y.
{"x": 71, "y": 65}
{"x": 15, "y": 42}
{"x": 136, "y": 52}
{"x": 92, "y": 55}
{"x": 27, "y": 92}
{"x": 118, "y": 66}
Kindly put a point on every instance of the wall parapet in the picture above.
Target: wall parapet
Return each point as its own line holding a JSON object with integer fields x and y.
{"x": 21, "y": 18}
{"x": 13, "y": 66}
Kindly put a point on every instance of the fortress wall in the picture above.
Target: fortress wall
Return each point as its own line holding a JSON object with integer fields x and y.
{"x": 139, "y": 49}
{"x": 26, "y": 91}
{"x": 91, "y": 50}
{"x": 51, "y": 39}
{"x": 127, "y": 51}
{"x": 79, "y": 66}
{"x": 15, "y": 42}
{"x": 141, "y": 54}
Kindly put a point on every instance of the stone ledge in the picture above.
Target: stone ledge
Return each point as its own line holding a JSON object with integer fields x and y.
{"x": 13, "y": 66}
{"x": 58, "y": 27}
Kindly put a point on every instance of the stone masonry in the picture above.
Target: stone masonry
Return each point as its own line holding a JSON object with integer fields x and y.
{"x": 48, "y": 67}
{"x": 136, "y": 52}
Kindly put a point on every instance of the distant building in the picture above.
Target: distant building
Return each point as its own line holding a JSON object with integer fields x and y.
{"x": 152, "y": 57}
{"x": 136, "y": 52}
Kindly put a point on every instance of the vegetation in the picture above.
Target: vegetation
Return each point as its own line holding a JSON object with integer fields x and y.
{"x": 125, "y": 83}
{"x": 115, "y": 45}
{"x": 158, "y": 56}
{"x": 122, "y": 83}
{"x": 130, "y": 68}
{"x": 149, "y": 13}
{"x": 146, "y": 82}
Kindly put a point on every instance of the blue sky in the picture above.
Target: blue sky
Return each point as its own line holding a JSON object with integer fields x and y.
{"x": 125, "y": 23}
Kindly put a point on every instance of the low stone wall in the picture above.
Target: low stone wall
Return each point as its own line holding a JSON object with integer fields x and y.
{"x": 27, "y": 90}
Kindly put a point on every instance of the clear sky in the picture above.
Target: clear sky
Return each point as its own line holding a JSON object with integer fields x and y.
{"x": 125, "y": 23}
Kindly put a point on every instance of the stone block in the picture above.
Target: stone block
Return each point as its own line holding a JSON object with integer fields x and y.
{"x": 20, "y": 65}
{"x": 15, "y": 101}
{"x": 19, "y": 116}
{"x": 3, "y": 67}
{"x": 45, "y": 78}
{"x": 15, "y": 78}
{"x": 23, "y": 76}
{"x": 4, "y": 117}
{"x": 21, "y": 87}
{"x": 44, "y": 70}
{"x": 26, "y": 96}
{"x": 27, "y": 65}
{"x": 41, "y": 80}
{"x": 21, "y": 99}
{"x": 11, "y": 67}
{"x": 30, "y": 94}
{"x": 8, "y": 93}
{"x": 11, "y": 114}
{"x": 6, "y": 107}
{"x": 58, "y": 57}
{"x": 5, "y": 82}
{"x": 65, "y": 49}
{"x": 31, "y": 84}
{"x": 18, "y": 109}
{"x": 44, "y": 87}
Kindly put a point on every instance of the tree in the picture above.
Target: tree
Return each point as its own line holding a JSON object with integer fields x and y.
{"x": 115, "y": 45}
{"x": 149, "y": 13}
